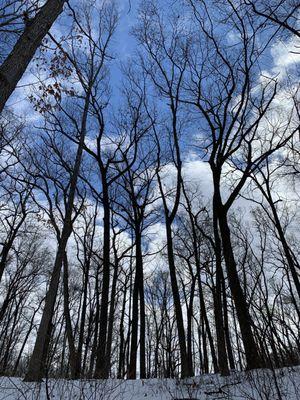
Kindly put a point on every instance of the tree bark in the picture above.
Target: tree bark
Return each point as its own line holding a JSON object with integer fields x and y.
{"x": 218, "y": 308}
{"x": 15, "y": 64}
{"x": 102, "y": 363}
{"x": 138, "y": 294}
{"x": 185, "y": 372}
{"x": 112, "y": 307}
{"x": 74, "y": 359}
{"x": 35, "y": 370}
{"x": 252, "y": 355}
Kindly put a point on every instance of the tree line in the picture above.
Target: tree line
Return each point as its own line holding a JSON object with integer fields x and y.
{"x": 115, "y": 260}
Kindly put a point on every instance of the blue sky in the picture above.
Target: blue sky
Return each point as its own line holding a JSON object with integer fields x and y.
{"x": 124, "y": 44}
{"x": 278, "y": 60}
{"x": 124, "y": 47}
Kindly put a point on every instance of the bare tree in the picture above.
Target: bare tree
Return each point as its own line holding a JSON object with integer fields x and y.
{"x": 281, "y": 13}
{"x": 88, "y": 77}
{"x": 165, "y": 62}
{"x": 235, "y": 139}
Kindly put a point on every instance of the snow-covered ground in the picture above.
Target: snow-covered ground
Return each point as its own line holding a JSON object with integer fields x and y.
{"x": 255, "y": 385}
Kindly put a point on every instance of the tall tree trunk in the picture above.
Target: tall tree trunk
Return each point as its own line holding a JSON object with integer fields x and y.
{"x": 190, "y": 308}
{"x": 185, "y": 372}
{"x": 218, "y": 306}
{"x": 25, "y": 341}
{"x": 207, "y": 327}
{"x": 96, "y": 324}
{"x": 203, "y": 312}
{"x": 142, "y": 325}
{"x": 84, "y": 308}
{"x": 102, "y": 363}
{"x": 74, "y": 359}
{"x": 252, "y": 355}
{"x": 226, "y": 326}
{"x": 131, "y": 373}
{"x": 121, "y": 362}
{"x": 15, "y": 64}
{"x": 35, "y": 370}
{"x": 111, "y": 318}
{"x": 138, "y": 294}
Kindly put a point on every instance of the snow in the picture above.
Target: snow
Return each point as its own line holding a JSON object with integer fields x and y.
{"x": 254, "y": 385}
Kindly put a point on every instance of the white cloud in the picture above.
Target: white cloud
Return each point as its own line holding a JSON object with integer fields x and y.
{"x": 285, "y": 58}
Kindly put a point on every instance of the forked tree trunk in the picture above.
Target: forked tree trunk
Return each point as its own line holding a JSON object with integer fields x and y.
{"x": 35, "y": 368}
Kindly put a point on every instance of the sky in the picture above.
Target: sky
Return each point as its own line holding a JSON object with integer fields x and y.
{"x": 279, "y": 60}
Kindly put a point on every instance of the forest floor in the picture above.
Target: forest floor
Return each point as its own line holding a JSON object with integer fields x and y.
{"x": 284, "y": 384}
